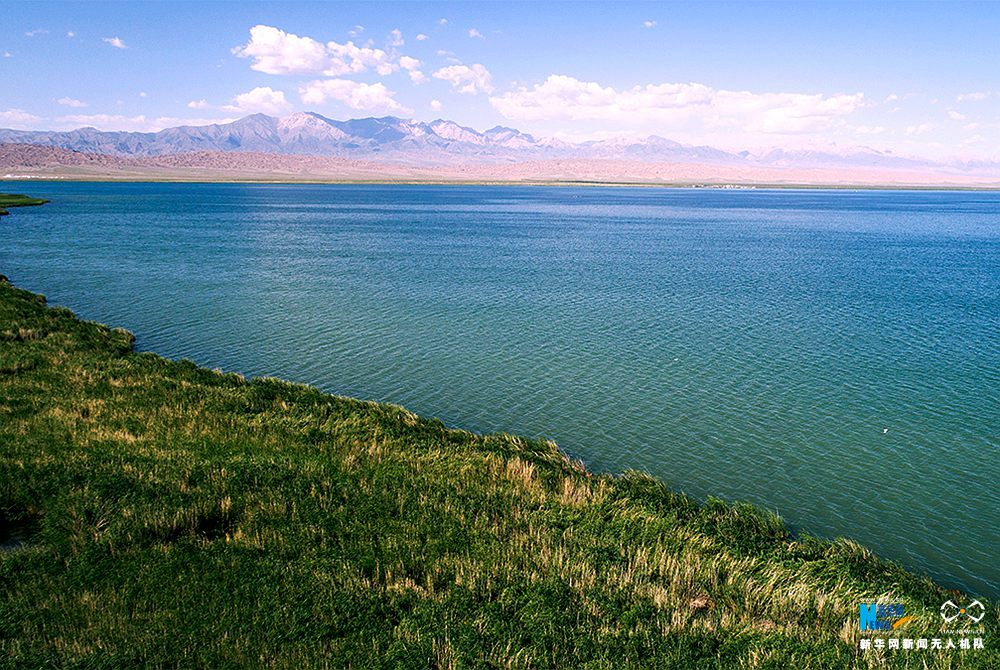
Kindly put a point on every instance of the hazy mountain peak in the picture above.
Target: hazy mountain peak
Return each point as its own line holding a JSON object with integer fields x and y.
{"x": 450, "y": 130}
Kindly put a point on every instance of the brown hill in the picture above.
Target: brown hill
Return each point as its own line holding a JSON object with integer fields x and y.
{"x": 40, "y": 162}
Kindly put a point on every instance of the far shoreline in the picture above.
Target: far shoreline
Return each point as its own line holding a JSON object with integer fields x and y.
{"x": 722, "y": 186}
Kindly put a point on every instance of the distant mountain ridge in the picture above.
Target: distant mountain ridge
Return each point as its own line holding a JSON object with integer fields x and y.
{"x": 303, "y": 133}
{"x": 443, "y": 143}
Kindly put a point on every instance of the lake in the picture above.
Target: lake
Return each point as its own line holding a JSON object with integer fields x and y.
{"x": 831, "y": 355}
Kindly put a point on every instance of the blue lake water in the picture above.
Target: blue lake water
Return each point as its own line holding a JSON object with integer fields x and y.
{"x": 830, "y": 355}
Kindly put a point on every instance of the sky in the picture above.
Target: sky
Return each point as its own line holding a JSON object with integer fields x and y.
{"x": 915, "y": 79}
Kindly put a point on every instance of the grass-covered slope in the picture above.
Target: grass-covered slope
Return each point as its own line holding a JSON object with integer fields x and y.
{"x": 14, "y": 200}
{"x": 157, "y": 514}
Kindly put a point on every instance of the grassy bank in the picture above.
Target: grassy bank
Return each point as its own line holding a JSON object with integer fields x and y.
{"x": 157, "y": 514}
{"x": 14, "y": 200}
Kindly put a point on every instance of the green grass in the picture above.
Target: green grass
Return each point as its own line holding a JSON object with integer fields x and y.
{"x": 157, "y": 514}
{"x": 14, "y": 200}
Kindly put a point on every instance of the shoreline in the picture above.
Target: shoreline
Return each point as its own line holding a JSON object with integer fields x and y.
{"x": 722, "y": 186}
{"x": 18, "y": 200}
{"x": 803, "y": 529}
{"x": 137, "y": 428}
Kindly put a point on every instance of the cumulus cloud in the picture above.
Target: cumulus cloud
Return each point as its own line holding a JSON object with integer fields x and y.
{"x": 955, "y": 116}
{"x": 18, "y": 118}
{"x": 412, "y": 66}
{"x": 354, "y": 94}
{"x": 36, "y": 32}
{"x": 71, "y": 102}
{"x": 356, "y": 30}
{"x": 442, "y": 22}
{"x": 649, "y": 23}
{"x": 473, "y": 33}
{"x": 563, "y": 97}
{"x": 116, "y": 42}
{"x": 261, "y": 100}
{"x": 395, "y": 38}
{"x": 436, "y": 105}
{"x": 70, "y": 34}
{"x": 467, "y": 79}
{"x": 198, "y": 104}
{"x": 276, "y": 52}
{"x": 421, "y": 37}
{"x": 7, "y": 54}
{"x": 273, "y": 51}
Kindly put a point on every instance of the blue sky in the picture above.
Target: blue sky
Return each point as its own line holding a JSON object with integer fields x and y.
{"x": 914, "y": 78}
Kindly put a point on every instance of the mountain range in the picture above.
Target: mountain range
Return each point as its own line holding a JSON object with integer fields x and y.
{"x": 445, "y": 144}
{"x": 387, "y": 137}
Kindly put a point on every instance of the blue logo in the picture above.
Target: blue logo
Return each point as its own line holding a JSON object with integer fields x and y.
{"x": 876, "y": 616}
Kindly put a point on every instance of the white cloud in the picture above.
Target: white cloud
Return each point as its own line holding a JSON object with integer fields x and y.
{"x": 356, "y": 30}
{"x": 448, "y": 56}
{"x": 36, "y": 32}
{"x": 973, "y": 97}
{"x": 7, "y": 54}
{"x": 348, "y": 58}
{"x": 276, "y": 52}
{"x": 442, "y": 22}
{"x": 920, "y": 129}
{"x": 70, "y": 34}
{"x": 261, "y": 100}
{"x": 892, "y": 97}
{"x": 436, "y": 105}
{"x": 467, "y": 79}
{"x": 869, "y": 130}
{"x": 408, "y": 63}
{"x": 421, "y": 37}
{"x": 354, "y": 94}
{"x": 71, "y": 102}
{"x": 18, "y": 118}
{"x": 955, "y": 116}
{"x": 116, "y": 42}
{"x": 473, "y": 33}
{"x": 395, "y": 38}
{"x": 563, "y": 97}
{"x": 649, "y": 23}
{"x": 411, "y": 65}
{"x": 198, "y": 104}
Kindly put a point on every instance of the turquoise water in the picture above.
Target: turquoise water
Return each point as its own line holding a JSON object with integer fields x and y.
{"x": 830, "y": 355}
